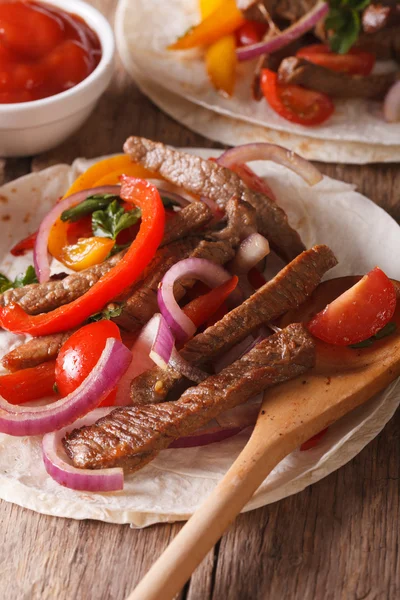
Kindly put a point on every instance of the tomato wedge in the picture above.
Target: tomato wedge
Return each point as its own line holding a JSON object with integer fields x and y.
{"x": 28, "y": 384}
{"x": 79, "y": 355}
{"x": 295, "y": 103}
{"x": 355, "y": 62}
{"x": 358, "y": 313}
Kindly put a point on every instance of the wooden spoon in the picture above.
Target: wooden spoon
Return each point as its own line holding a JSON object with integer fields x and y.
{"x": 291, "y": 413}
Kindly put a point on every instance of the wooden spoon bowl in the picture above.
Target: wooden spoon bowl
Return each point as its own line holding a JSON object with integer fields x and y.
{"x": 291, "y": 413}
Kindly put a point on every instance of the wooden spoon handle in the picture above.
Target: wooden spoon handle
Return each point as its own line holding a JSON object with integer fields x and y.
{"x": 174, "y": 567}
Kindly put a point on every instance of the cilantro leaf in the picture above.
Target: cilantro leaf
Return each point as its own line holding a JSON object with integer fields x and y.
{"x": 110, "y": 312}
{"x": 20, "y": 281}
{"x": 5, "y": 283}
{"x": 384, "y": 332}
{"x": 26, "y": 278}
{"x": 87, "y": 207}
{"x": 111, "y": 221}
{"x": 343, "y": 23}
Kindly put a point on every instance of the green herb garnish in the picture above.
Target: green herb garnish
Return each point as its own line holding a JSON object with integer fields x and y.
{"x": 113, "y": 219}
{"x": 88, "y": 206}
{"x": 384, "y": 332}
{"x": 110, "y": 312}
{"x": 20, "y": 281}
{"x": 344, "y": 23}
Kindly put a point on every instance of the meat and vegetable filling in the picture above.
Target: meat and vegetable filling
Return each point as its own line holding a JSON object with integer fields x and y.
{"x": 175, "y": 326}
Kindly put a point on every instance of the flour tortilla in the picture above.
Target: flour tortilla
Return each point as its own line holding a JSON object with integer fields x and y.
{"x": 356, "y": 133}
{"x": 169, "y": 489}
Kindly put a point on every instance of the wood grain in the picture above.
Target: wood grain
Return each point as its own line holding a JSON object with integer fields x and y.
{"x": 337, "y": 540}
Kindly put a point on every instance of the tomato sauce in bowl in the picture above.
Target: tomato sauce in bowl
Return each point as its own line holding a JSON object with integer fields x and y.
{"x": 44, "y": 50}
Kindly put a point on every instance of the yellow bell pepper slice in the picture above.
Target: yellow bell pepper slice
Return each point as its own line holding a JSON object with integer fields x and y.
{"x": 221, "y": 64}
{"x": 222, "y": 21}
{"x": 208, "y": 6}
{"x": 104, "y": 172}
{"x": 86, "y": 252}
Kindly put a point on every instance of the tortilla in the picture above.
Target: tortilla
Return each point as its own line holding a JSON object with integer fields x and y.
{"x": 356, "y": 133}
{"x": 170, "y": 488}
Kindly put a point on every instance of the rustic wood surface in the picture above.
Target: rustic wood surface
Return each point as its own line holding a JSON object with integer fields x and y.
{"x": 336, "y": 540}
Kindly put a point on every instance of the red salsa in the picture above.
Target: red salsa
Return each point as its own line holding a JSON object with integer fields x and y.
{"x": 43, "y": 51}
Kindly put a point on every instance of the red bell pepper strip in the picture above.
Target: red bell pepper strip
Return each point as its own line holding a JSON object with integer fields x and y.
{"x": 29, "y": 384}
{"x": 24, "y": 245}
{"x": 202, "y": 308}
{"x": 138, "y": 192}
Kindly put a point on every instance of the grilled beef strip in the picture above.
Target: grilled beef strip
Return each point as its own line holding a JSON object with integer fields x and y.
{"x": 385, "y": 43}
{"x": 131, "y": 437}
{"x": 337, "y": 85}
{"x": 35, "y": 351}
{"x": 288, "y": 10}
{"x": 272, "y": 62}
{"x": 209, "y": 179}
{"x": 44, "y": 297}
{"x": 290, "y": 288}
{"x": 141, "y": 299}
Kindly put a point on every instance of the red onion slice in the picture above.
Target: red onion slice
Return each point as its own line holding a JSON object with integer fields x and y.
{"x": 23, "y": 420}
{"x": 186, "y": 369}
{"x": 140, "y": 362}
{"x": 391, "y": 104}
{"x": 190, "y": 268}
{"x": 264, "y": 151}
{"x": 63, "y": 472}
{"x": 163, "y": 344}
{"x": 164, "y": 353}
{"x": 307, "y": 22}
{"x": 250, "y": 252}
{"x": 40, "y": 254}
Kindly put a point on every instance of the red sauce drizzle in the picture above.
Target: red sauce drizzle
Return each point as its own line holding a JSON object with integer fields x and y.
{"x": 43, "y": 51}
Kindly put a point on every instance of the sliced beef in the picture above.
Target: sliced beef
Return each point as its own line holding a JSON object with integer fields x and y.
{"x": 290, "y": 288}
{"x": 140, "y": 301}
{"x": 35, "y": 352}
{"x": 44, "y": 297}
{"x": 130, "y": 437}
{"x": 272, "y": 62}
{"x": 385, "y": 43}
{"x": 337, "y": 85}
{"x": 287, "y": 10}
{"x": 377, "y": 17}
{"x": 208, "y": 179}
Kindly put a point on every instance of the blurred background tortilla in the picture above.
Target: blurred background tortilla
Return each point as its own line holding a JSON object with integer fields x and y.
{"x": 217, "y": 119}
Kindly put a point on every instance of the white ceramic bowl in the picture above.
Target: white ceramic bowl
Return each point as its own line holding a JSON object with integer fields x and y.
{"x": 28, "y": 128}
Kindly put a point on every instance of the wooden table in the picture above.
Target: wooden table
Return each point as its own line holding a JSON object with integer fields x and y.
{"x": 336, "y": 540}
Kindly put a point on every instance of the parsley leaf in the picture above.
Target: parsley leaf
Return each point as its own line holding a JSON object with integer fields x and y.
{"x": 110, "y": 312}
{"x": 384, "y": 332}
{"x": 111, "y": 221}
{"x": 343, "y": 23}
{"x": 22, "y": 279}
{"x": 87, "y": 207}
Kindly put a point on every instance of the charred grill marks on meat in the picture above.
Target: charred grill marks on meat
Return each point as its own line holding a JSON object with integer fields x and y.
{"x": 127, "y": 436}
{"x": 290, "y": 288}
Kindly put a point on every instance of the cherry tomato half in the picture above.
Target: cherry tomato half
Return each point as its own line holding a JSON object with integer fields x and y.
{"x": 358, "y": 313}
{"x": 355, "y": 62}
{"x": 295, "y": 103}
{"x": 251, "y": 32}
{"x": 79, "y": 355}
